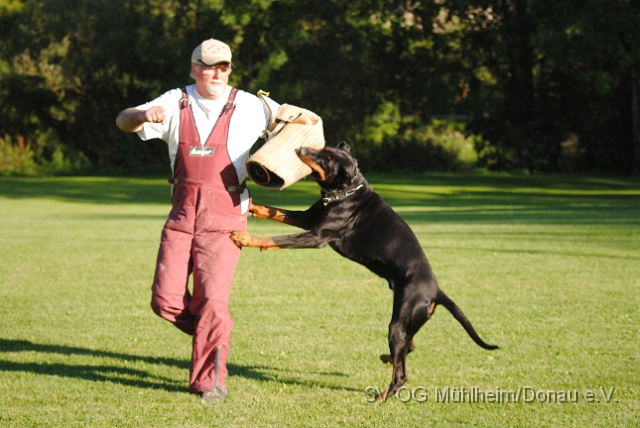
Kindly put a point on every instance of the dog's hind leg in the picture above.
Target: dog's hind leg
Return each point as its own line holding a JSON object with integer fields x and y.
{"x": 412, "y": 317}
{"x": 418, "y": 318}
{"x": 386, "y": 358}
{"x": 399, "y": 344}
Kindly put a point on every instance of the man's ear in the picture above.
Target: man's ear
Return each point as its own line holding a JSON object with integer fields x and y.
{"x": 344, "y": 146}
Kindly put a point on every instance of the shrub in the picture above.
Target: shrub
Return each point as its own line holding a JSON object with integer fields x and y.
{"x": 20, "y": 156}
{"x": 16, "y": 159}
{"x": 440, "y": 145}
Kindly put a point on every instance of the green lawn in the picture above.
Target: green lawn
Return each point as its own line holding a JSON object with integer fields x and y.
{"x": 547, "y": 267}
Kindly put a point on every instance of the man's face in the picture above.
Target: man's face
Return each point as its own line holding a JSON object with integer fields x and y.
{"x": 211, "y": 81}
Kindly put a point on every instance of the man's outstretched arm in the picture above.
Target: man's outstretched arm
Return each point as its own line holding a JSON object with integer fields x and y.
{"x": 132, "y": 119}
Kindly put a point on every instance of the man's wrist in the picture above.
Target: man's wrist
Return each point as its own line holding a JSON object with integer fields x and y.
{"x": 131, "y": 120}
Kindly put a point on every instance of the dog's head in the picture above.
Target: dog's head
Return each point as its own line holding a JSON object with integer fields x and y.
{"x": 332, "y": 167}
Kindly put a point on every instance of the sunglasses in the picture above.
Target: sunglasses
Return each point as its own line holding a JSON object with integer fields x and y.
{"x": 223, "y": 68}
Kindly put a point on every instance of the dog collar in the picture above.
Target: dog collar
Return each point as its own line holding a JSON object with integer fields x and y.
{"x": 336, "y": 195}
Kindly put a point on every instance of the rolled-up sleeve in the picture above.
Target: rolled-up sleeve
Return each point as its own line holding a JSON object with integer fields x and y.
{"x": 169, "y": 101}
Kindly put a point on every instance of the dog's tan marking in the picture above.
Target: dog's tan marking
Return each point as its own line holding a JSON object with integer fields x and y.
{"x": 314, "y": 167}
{"x": 432, "y": 309}
{"x": 245, "y": 239}
{"x": 269, "y": 213}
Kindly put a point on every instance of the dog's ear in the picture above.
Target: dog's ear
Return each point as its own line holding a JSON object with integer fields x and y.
{"x": 344, "y": 146}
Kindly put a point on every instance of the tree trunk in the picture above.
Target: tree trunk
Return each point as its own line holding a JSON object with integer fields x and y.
{"x": 635, "y": 120}
{"x": 520, "y": 85}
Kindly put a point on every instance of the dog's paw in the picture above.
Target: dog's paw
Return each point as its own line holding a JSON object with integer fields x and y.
{"x": 386, "y": 358}
{"x": 383, "y": 397}
{"x": 255, "y": 210}
{"x": 241, "y": 238}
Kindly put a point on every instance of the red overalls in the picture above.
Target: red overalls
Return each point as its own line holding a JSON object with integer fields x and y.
{"x": 195, "y": 239}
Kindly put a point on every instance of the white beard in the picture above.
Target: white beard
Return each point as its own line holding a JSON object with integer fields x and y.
{"x": 215, "y": 88}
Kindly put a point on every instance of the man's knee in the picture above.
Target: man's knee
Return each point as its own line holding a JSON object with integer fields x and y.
{"x": 178, "y": 315}
{"x": 157, "y": 306}
{"x": 167, "y": 308}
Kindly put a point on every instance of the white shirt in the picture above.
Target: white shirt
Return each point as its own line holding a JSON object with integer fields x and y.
{"x": 248, "y": 122}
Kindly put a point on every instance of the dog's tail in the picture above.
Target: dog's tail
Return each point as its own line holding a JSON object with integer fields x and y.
{"x": 457, "y": 313}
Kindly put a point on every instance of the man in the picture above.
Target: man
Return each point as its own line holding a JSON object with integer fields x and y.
{"x": 209, "y": 128}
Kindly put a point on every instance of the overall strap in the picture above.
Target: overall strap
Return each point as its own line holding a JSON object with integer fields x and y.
{"x": 231, "y": 102}
{"x": 184, "y": 101}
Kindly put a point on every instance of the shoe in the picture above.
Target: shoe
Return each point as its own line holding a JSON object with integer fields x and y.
{"x": 216, "y": 394}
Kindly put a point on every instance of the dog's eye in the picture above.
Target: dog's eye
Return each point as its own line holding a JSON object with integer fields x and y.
{"x": 329, "y": 158}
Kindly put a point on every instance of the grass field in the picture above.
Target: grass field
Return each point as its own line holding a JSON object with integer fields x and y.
{"x": 547, "y": 267}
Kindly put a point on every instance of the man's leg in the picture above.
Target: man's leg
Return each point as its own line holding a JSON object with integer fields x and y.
{"x": 170, "y": 294}
{"x": 215, "y": 258}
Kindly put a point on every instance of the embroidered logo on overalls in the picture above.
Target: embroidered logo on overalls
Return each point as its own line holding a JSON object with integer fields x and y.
{"x": 200, "y": 151}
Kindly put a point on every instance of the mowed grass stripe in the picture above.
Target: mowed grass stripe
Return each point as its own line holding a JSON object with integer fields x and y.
{"x": 547, "y": 267}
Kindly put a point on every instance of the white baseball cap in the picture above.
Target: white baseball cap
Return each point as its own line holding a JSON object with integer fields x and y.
{"x": 211, "y": 52}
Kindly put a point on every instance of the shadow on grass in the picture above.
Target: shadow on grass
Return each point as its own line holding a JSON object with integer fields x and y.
{"x": 110, "y": 190}
{"x": 437, "y": 198}
{"x": 118, "y": 374}
{"x": 544, "y": 253}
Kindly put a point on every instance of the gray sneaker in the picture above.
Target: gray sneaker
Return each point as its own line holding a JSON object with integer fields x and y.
{"x": 216, "y": 394}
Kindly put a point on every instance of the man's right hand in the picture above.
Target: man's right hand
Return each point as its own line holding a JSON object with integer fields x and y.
{"x": 156, "y": 114}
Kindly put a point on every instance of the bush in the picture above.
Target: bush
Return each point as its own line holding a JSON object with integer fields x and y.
{"x": 437, "y": 146}
{"x": 16, "y": 159}
{"x": 20, "y": 156}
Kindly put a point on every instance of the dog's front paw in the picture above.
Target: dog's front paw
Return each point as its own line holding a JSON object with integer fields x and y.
{"x": 241, "y": 238}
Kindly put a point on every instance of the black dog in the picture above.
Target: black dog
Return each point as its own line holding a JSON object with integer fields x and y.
{"x": 359, "y": 225}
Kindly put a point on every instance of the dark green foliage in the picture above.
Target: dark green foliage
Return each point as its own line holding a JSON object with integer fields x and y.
{"x": 525, "y": 74}
{"x": 411, "y": 154}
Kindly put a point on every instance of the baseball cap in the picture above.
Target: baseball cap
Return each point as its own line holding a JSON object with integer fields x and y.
{"x": 211, "y": 52}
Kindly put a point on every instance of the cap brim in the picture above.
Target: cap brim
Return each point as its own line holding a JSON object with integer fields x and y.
{"x": 215, "y": 61}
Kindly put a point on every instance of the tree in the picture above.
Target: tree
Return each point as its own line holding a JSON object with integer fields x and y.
{"x": 528, "y": 74}
{"x": 556, "y": 68}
